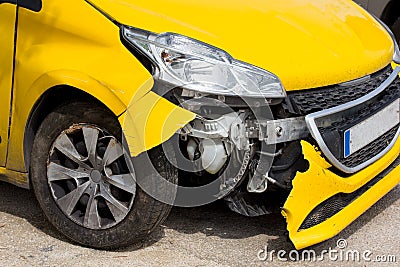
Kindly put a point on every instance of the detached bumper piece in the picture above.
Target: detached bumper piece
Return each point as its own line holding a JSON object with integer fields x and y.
{"x": 356, "y": 161}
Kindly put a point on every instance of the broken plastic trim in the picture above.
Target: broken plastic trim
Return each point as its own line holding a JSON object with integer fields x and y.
{"x": 308, "y": 192}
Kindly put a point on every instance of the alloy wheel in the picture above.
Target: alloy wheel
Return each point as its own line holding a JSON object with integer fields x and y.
{"x": 90, "y": 177}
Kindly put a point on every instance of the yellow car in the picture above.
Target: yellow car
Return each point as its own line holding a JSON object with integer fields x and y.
{"x": 113, "y": 111}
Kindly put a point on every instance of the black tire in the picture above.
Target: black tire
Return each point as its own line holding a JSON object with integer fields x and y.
{"x": 396, "y": 30}
{"x": 145, "y": 214}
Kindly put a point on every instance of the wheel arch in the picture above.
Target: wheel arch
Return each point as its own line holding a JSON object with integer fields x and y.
{"x": 48, "y": 92}
{"x": 49, "y": 101}
{"x": 141, "y": 122}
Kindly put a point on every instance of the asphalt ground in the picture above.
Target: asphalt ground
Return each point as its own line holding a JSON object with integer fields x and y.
{"x": 205, "y": 236}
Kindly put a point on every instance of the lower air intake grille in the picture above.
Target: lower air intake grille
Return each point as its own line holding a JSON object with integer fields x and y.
{"x": 335, "y": 204}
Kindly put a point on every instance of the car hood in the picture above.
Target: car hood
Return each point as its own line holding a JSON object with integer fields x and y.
{"x": 306, "y": 43}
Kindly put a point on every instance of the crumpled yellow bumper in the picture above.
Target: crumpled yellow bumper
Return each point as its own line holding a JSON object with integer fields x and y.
{"x": 318, "y": 184}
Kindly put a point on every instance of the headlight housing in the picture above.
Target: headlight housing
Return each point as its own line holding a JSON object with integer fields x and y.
{"x": 194, "y": 65}
{"x": 396, "y": 56}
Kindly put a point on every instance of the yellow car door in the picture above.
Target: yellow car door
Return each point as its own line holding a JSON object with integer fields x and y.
{"x": 7, "y": 23}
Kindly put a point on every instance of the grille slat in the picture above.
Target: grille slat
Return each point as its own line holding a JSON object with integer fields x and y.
{"x": 314, "y": 100}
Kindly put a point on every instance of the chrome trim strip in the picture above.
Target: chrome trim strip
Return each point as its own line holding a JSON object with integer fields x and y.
{"x": 312, "y": 126}
{"x": 356, "y": 81}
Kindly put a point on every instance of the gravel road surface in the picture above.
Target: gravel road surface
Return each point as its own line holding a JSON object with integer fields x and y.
{"x": 204, "y": 236}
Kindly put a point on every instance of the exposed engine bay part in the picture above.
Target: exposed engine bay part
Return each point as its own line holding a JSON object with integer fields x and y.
{"x": 249, "y": 142}
{"x": 258, "y": 176}
{"x": 258, "y": 183}
{"x": 211, "y": 142}
{"x": 266, "y": 166}
{"x": 284, "y": 130}
{"x": 228, "y": 183}
{"x": 250, "y": 200}
{"x": 239, "y": 128}
{"x": 260, "y": 170}
{"x": 253, "y": 205}
{"x": 254, "y": 155}
{"x": 237, "y": 203}
{"x": 229, "y": 127}
{"x": 214, "y": 144}
{"x": 213, "y": 155}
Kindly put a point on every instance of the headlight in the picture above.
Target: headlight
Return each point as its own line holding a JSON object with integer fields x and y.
{"x": 197, "y": 66}
{"x": 396, "y": 56}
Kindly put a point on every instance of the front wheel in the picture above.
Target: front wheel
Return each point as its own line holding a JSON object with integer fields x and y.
{"x": 85, "y": 181}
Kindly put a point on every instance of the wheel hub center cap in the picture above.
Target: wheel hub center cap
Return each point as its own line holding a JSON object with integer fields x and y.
{"x": 95, "y": 175}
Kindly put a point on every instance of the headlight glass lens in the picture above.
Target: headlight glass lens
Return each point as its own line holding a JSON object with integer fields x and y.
{"x": 197, "y": 66}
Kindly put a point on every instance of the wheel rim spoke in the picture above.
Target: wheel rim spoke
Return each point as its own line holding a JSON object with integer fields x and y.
{"x": 117, "y": 213}
{"x": 56, "y": 172}
{"x": 69, "y": 201}
{"x": 125, "y": 182}
{"x": 113, "y": 152}
{"x": 92, "y": 217}
{"x": 91, "y": 135}
{"x": 65, "y": 146}
{"x": 104, "y": 192}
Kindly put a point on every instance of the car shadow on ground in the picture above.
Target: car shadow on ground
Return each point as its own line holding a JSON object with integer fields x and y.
{"x": 212, "y": 220}
{"x": 216, "y": 220}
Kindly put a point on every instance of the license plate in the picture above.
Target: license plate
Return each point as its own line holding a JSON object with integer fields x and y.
{"x": 370, "y": 129}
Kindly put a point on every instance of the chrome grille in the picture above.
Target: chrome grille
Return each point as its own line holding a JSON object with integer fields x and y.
{"x": 327, "y": 126}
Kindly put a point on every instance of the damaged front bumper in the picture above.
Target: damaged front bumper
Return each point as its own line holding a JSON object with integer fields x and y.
{"x": 323, "y": 200}
{"x": 322, "y": 203}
